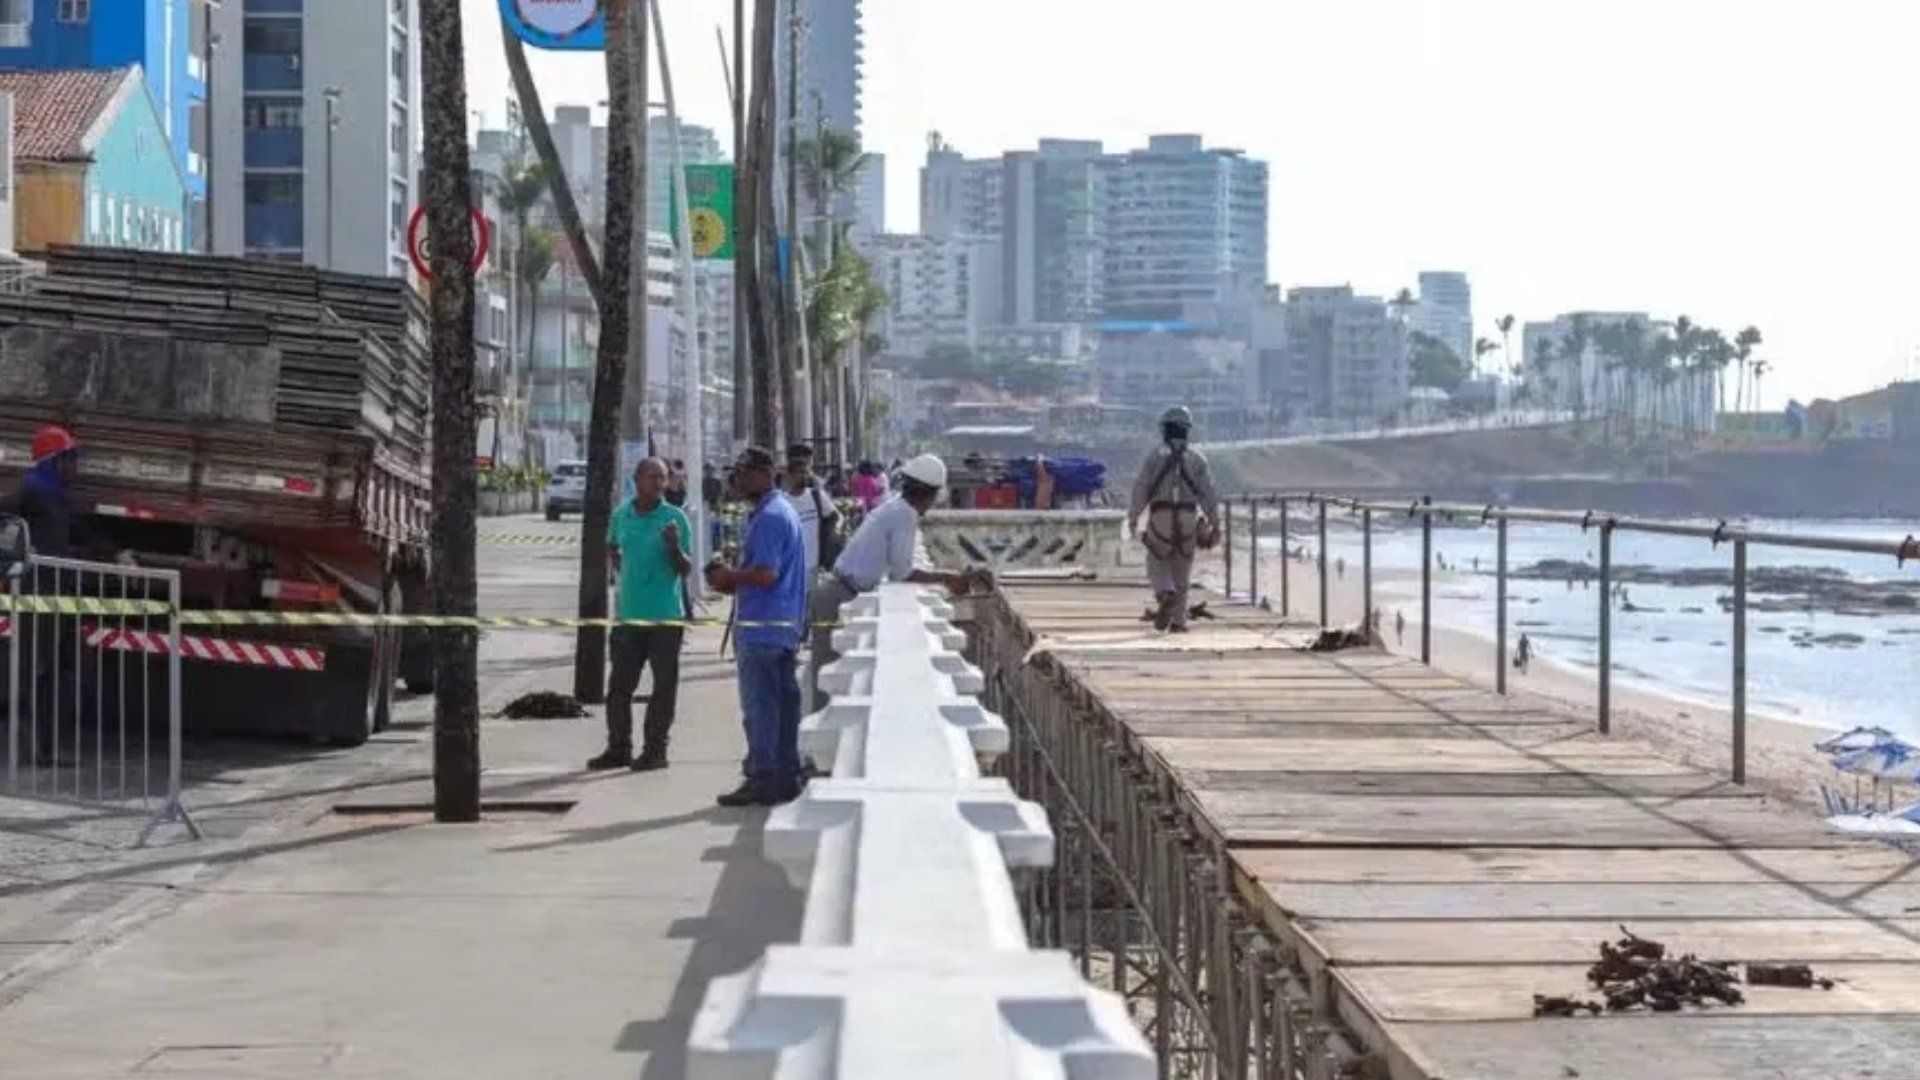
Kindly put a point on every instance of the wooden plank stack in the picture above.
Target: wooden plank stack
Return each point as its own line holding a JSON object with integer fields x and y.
{"x": 351, "y": 350}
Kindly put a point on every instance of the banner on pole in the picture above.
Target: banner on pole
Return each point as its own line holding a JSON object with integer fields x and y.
{"x": 709, "y": 211}
{"x": 578, "y": 25}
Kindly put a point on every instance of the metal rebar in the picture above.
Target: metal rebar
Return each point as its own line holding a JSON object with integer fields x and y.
{"x": 1226, "y": 541}
{"x": 1426, "y": 587}
{"x": 1739, "y": 661}
{"x": 1605, "y": 703}
{"x": 1500, "y": 606}
{"x": 1326, "y": 567}
{"x": 1253, "y": 551}
{"x": 1366, "y": 568}
{"x": 1286, "y": 562}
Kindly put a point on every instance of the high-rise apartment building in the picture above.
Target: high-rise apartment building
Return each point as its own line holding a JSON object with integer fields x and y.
{"x": 315, "y": 125}
{"x": 1345, "y": 358}
{"x": 1148, "y": 235}
{"x": 169, "y": 41}
{"x": 942, "y": 290}
{"x": 1185, "y": 225}
{"x": 1445, "y": 311}
{"x": 825, "y": 37}
{"x": 1053, "y": 232}
{"x": 958, "y": 195}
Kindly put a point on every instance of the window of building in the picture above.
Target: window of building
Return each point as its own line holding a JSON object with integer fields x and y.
{"x": 274, "y": 36}
{"x": 74, "y": 11}
{"x": 197, "y": 128}
{"x": 274, "y": 112}
{"x": 397, "y": 209}
{"x": 16, "y": 23}
{"x": 397, "y": 136}
{"x": 268, "y": 189}
{"x": 400, "y": 61}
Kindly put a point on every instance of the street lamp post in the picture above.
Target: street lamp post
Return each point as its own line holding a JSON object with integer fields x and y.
{"x": 332, "y": 95}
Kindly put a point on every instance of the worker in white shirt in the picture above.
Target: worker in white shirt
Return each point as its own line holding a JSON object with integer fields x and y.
{"x": 881, "y": 549}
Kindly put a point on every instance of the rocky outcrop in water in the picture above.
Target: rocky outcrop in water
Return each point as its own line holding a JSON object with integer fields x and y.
{"x": 1769, "y": 588}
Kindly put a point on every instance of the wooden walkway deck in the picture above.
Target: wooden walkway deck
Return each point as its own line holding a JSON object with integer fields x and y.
{"x": 1438, "y": 855}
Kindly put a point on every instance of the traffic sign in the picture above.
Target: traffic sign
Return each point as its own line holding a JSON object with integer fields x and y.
{"x": 422, "y": 254}
{"x": 578, "y": 25}
{"x": 709, "y": 211}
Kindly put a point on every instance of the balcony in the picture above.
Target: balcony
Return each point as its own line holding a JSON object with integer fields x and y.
{"x": 272, "y": 71}
{"x": 276, "y": 148}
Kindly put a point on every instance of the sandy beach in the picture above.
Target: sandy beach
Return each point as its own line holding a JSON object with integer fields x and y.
{"x": 1781, "y": 760}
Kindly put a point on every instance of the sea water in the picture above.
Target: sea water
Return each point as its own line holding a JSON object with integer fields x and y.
{"x": 1678, "y": 640}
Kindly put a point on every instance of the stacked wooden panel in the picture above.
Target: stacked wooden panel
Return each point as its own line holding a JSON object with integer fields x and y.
{"x": 346, "y": 353}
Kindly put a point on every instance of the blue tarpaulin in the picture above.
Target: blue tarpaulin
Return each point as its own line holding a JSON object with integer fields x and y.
{"x": 1071, "y": 476}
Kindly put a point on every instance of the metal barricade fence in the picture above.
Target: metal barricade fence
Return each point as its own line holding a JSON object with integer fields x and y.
{"x": 93, "y": 690}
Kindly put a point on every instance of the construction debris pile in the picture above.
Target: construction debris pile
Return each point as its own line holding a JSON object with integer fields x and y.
{"x": 1636, "y": 973}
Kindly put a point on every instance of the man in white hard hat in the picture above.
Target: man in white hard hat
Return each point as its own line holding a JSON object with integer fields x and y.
{"x": 881, "y": 549}
{"x": 1175, "y": 490}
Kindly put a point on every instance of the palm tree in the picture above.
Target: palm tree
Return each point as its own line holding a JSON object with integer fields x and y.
{"x": 1403, "y": 302}
{"x": 1505, "y": 324}
{"x": 844, "y": 300}
{"x": 520, "y": 192}
{"x": 539, "y": 251}
{"x": 626, "y": 28}
{"x": 1710, "y": 362}
{"x": 1743, "y": 345}
{"x": 448, "y": 196}
{"x": 1573, "y": 349}
{"x": 1481, "y": 347}
{"x": 1540, "y": 367}
{"x": 1760, "y": 369}
{"x": 828, "y": 167}
{"x": 565, "y": 206}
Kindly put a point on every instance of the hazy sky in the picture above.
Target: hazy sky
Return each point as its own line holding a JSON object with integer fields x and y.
{"x": 1739, "y": 161}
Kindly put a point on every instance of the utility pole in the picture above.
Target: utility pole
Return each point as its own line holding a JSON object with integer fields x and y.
{"x": 742, "y": 380}
{"x": 637, "y": 305}
{"x": 796, "y": 378}
{"x": 332, "y": 94}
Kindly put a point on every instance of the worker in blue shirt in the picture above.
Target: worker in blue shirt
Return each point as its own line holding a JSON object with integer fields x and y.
{"x": 770, "y": 589}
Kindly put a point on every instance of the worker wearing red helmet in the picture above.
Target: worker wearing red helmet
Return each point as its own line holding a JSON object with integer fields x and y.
{"x": 45, "y": 499}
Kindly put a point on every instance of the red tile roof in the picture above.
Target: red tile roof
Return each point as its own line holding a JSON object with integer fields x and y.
{"x": 53, "y": 110}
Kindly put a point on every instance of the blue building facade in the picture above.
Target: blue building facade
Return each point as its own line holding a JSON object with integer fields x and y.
{"x": 168, "y": 39}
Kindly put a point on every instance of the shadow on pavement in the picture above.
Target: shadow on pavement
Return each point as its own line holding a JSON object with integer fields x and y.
{"x": 753, "y": 907}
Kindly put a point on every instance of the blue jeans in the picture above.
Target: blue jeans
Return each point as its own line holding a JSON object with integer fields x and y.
{"x": 770, "y": 712}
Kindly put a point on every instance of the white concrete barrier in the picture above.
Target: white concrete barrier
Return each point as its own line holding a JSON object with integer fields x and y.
{"x": 1002, "y": 540}
{"x": 913, "y": 959}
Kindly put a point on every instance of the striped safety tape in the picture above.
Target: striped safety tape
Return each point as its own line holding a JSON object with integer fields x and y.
{"x": 529, "y": 540}
{"x": 81, "y": 605}
{"x": 216, "y": 650}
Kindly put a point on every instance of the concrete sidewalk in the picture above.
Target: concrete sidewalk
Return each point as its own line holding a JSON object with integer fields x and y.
{"x": 361, "y": 945}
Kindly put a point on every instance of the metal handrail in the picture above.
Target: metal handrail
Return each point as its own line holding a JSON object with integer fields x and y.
{"x": 1426, "y": 511}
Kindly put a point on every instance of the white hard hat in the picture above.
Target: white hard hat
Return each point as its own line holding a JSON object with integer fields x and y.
{"x": 927, "y": 469}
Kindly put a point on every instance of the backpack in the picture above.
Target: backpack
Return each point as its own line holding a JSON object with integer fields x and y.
{"x": 831, "y": 543}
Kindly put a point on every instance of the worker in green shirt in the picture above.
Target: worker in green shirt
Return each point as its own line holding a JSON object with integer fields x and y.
{"x": 650, "y": 544}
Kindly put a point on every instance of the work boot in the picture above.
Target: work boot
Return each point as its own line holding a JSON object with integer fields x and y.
{"x": 747, "y": 794}
{"x": 613, "y": 757}
{"x": 1163, "y": 614}
{"x": 651, "y": 759}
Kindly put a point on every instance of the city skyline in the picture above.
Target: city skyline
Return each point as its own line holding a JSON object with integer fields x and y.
{"x": 1488, "y": 136}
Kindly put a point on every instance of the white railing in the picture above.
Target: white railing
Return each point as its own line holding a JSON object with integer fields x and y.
{"x": 1002, "y": 540}
{"x": 913, "y": 960}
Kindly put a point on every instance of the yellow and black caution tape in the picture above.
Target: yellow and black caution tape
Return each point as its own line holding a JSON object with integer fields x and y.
{"x": 530, "y": 539}
{"x": 81, "y": 605}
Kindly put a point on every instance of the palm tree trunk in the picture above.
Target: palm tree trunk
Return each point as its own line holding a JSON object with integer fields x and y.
{"x": 610, "y": 360}
{"x": 558, "y": 183}
{"x": 760, "y": 259}
{"x": 448, "y": 196}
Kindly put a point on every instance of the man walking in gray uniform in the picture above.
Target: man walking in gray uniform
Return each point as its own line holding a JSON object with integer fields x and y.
{"x": 1175, "y": 490}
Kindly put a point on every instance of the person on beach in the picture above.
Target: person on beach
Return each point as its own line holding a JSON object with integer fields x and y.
{"x": 1400, "y": 627}
{"x": 1340, "y": 569}
{"x": 1174, "y": 488}
{"x": 1523, "y": 654}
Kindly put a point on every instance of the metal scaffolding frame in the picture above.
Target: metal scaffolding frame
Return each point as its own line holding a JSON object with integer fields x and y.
{"x": 1141, "y": 896}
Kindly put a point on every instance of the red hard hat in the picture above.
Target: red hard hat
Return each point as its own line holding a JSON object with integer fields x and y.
{"x": 51, "y": 440}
